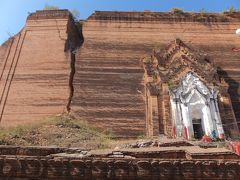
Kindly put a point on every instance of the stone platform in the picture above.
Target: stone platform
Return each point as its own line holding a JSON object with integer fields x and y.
{"x": 186, "y": 162}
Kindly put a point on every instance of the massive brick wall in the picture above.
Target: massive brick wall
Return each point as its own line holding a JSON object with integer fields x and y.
{"x": 37, "y": 71}
{"x": 108, "y": 84}
{"x": 35, "y": 75}
{"x": 4, "y": 49}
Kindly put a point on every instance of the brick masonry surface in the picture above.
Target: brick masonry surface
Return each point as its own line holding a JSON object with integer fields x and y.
{"x": 108, "y": 83}
{"x": 43, "y": 163}
{"x": 36, "y": 70}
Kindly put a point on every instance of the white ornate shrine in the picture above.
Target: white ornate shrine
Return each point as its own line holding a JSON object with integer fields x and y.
{"x": 194, "y": 109}
{"x": 185, "y": 96}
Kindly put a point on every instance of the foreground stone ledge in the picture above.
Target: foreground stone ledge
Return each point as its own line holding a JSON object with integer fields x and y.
{"x": 30, "y": 151}
{"x": 52, "y": 164}
{"x": 116, "y": 168}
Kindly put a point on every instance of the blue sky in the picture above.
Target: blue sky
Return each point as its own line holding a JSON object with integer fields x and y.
{"x": 13, "y": 13}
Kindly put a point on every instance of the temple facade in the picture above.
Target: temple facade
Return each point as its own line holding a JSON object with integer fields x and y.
{"x": 194, "y": 109}
{"x": 186, "y": 96}
{"x": 103, "y": 70}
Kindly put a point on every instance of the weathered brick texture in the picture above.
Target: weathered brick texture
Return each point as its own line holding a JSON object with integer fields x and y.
{"x": 54, "y": 163}
{"x": 35, "y": 80}
{"x": 108, "y": 83}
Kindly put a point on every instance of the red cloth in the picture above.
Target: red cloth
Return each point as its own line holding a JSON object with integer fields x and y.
{"x": 174, "y": 132}
{"x": 185, "y": 133}
{"x": 236, "y": 147}
{"x": 206, "y": 138}
{"x": 222, "y": 136}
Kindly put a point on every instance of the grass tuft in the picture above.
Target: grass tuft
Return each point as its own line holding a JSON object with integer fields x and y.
{"x": 63, "y": 131}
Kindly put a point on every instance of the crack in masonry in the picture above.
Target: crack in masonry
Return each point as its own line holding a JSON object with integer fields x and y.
{"x": 75, "y": 41}
{"x": 72, "y": 70}
{"x": 70, "y": 83}
{"x": 59, "y": 32}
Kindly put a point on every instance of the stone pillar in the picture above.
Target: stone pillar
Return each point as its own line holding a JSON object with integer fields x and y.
{"x": 152, "y": 117}
{"x": 208, "y": 121}
{"x": 226, "y": 112}
{"x": 228, "y": 117}
{"x": 160, "y": 114}
{"x": 174, "y": 116}
{"x": 180, "y": 119}
{"x": 187, "y": 125}
{"x": 155, "y": 115}
{"x": 166, "y": 111}
{"x": 217, "y": 123}
{"x": 149, "y": 123}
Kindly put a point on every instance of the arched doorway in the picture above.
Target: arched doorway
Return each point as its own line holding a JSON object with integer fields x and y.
{"x": 198, "y": 111}
{"x": 192, "y": 112}
{"x": 178, "y": 100}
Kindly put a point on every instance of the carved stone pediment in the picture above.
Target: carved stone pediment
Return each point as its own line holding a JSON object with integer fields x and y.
{"x": 169, "y": 65}
{"x": 183, "y": 86}
{"x": 191, "y": 83}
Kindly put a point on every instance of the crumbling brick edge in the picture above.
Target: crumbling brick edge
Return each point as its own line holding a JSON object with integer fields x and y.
{"x": 39, "y": 167}
{"x": 43, "y": 163}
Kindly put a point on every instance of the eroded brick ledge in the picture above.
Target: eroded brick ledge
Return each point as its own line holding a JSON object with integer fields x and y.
{"x": 71, "y": 163}
{"x": 49, "y": 14}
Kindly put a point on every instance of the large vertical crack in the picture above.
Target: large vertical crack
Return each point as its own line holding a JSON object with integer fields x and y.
{"x": 73, "y": 43}
{"x": 70, "y": 84}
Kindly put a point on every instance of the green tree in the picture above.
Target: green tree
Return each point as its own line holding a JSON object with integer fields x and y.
{"x": 232, "y": 9}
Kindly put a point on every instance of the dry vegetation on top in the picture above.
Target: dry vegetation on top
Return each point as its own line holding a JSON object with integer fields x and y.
{"x": 62, "y": 131}
{"x": 66, "y": 131}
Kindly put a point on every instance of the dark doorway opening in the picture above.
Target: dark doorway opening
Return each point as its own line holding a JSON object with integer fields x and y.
{"x": 197, "y": 129}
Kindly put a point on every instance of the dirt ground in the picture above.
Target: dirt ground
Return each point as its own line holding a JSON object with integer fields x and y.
{"x": 65, "y": 131}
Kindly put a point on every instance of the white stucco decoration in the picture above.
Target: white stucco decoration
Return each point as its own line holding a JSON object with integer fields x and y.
{"x": 194, "y": 107}
{"x": 238, "y": 32}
